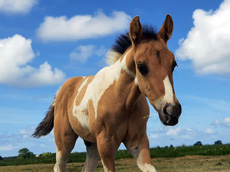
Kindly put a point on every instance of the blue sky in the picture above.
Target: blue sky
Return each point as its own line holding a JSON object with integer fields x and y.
{"x": 43, "y": 43}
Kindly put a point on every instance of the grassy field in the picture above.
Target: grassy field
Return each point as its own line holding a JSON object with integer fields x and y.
{"x": 179, "y": 164}
{"x": 158, "y": 152}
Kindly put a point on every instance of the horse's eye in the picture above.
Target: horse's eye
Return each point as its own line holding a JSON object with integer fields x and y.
{"x": 143, "y": 69}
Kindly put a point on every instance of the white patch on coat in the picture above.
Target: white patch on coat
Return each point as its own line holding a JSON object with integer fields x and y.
{"x": 80, "y": 111}
{"x": 82, "y": 85}
{"x": 149, "y": 168}
{"x": 136, "y": 81}
{"x": 60, "y": 162}
{"x": 112, "y": 57}
{"x": 100, "y": 83}
{"x": 105, "y": 168}
{"x": 168, "y": 97}
{"x": 134, "y": 150}
{"x": 124, "y": 65}
{"x": 144, "y": 167}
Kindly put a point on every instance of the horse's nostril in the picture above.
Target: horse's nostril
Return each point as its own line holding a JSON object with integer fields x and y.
{"x": 168, "y": 109}
{"x": 164, "y": 109}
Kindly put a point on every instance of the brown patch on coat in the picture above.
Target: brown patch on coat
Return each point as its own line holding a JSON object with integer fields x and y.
{"x": 81, "y": 94}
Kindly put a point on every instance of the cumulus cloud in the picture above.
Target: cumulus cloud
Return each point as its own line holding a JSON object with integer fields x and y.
{"x": 84, "y": 52}
{"x": 82, "y": 26}
{"x": 16, "y": 6}
{"x": 207, "y": 43}
{"x": 15, "y": 54}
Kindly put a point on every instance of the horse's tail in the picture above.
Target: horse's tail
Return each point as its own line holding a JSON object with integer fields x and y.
{"x": 47, "y": 124}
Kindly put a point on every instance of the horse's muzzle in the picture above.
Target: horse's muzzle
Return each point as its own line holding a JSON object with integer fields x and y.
{"x": 170, "y": 114}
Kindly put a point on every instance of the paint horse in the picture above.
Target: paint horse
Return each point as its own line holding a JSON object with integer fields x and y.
{"x": 110, "y": 108}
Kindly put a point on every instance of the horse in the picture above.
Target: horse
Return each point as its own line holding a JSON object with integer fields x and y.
{"x": 111, "y": 107}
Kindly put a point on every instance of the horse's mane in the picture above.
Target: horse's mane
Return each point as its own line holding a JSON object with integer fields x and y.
{"x": 122, "y": 43}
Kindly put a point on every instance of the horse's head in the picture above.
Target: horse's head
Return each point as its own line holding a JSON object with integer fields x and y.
{"x": 154, "y": 64}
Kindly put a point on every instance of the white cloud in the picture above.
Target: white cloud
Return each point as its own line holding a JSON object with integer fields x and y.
{"x": 15, "y": 54}
{"x": 173, "y": 131}
{"x": 16, "y": 6}
{"x": 153, "y": 136}
{"x": 209, "y": 131}
{"x": 26, "y": 133}
{"x": 227, "y": 120}
{"x": 223, "y": 122}
{"x": 82, "y": 26}
{"x": 207, "y": 43}
{"x": 84, "y": 52}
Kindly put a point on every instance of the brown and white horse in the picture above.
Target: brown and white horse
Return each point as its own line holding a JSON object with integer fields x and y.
{"x": 110, "y": 108}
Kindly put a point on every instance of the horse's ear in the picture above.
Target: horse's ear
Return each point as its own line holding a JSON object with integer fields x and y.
{"x": 135, "y": 30}
{"x": 166, "y": 29}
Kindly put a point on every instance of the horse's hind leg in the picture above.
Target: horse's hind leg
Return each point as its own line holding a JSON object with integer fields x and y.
{"x": 92, "y": 157}
{"x": 65, "y": 139}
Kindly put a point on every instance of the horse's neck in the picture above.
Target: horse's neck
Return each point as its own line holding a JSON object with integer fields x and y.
{"x": 123, "y": 73}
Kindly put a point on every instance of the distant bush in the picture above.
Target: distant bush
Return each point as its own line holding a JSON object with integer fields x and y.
{"x": 199, "y": 143}
{"x": 25, "y": 153}
{"x": 77, "y": 157}
{"x": 47, "y": 155}
{"x": 218, "y": 142}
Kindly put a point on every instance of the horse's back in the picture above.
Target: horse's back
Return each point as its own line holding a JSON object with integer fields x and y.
{"x": 67, "y": 90}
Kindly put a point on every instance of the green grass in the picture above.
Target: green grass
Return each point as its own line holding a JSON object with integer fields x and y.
{"x": 206, "y": 150}
{"x": 165, "y": 152}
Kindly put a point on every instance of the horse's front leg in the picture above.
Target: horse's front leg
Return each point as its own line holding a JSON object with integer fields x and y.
{"x": 107, "y": 148}
{"x": 139, "y": 148}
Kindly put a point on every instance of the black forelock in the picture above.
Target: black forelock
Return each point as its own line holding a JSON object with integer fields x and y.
{"x": 123, "y": 42}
